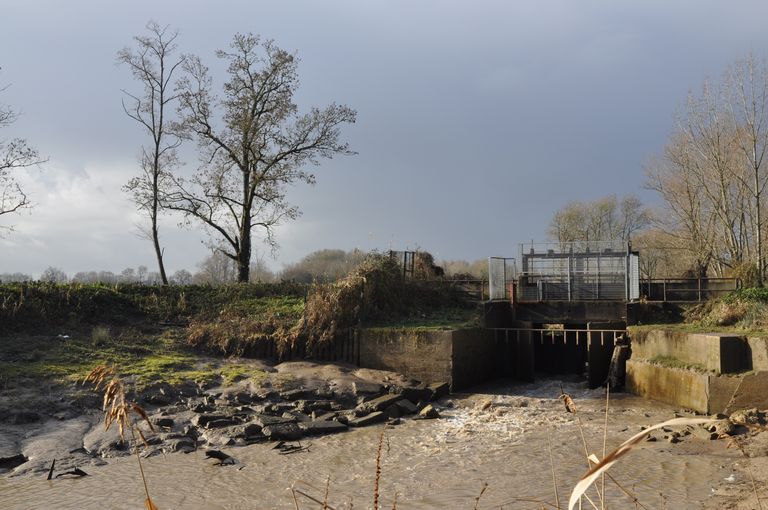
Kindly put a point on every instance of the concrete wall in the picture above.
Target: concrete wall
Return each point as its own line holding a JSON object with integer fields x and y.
{"x": 758, "y": 347}
{"x": 699, "y": 391}
{"x": 685, "y": 388}
{"x": 462, "y": 358}
{"x": 473, "y": 357}
{"x": 719, "y": 352}
{"x": 423, "y": 355}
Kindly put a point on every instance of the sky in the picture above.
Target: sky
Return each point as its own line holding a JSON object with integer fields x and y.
{"x": 476, "y": 120}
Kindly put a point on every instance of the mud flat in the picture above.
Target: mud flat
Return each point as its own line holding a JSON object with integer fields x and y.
{"x": 498, "y": 435}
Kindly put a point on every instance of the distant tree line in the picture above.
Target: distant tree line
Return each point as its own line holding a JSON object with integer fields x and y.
{"x": 322, "y": 266}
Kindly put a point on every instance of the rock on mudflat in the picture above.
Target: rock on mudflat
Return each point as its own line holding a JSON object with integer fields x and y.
{"x": 370, "y": 419}
{"x": 321, "y": 427}
{"x": 282, "y": 432}
{"x": 379, "y": 403}
{"x": 440, "y": 389}
{"x": 429, "y": 413}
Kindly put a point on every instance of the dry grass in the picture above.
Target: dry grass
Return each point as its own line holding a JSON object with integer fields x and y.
{"x": 118, "y": 410}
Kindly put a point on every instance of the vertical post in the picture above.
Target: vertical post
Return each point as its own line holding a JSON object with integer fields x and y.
{"x": 664, "y": 289}
{"x": 699, "y": 287}
{"x": 570, "y": 257}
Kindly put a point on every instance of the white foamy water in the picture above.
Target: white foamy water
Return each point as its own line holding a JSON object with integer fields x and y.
{"x": 428, "y": 464}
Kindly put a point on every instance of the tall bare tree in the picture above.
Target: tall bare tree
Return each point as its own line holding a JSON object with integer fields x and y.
{"x": 747, "y": 82}
{"x": 15, "y": 153}
{"x": 153, "y": 65}
{"x": 253, "y": 144}
{"x": 604, "y": 219}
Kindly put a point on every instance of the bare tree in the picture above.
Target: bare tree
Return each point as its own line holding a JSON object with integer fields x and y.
{"x": 181, "y": 277}
{"x": 216, "y": 269}
{"x": 253, "y": 145}
{"x": 151, "y": 63}
{"x": 54, "y": 275}
{"x": 604, "y": 219}
{"x": 14, "y": 154}
{"x": 747, "y": 83}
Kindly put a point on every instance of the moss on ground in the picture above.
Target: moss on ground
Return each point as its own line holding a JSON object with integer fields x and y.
{"x": 149, "y": 357}
{"x": 670, "y": 362}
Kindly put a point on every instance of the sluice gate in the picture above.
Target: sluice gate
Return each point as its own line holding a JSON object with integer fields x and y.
{"x": 522, "y": 353}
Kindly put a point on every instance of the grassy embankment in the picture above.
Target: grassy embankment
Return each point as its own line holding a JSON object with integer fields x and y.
{"x": 743, "y": 311}
{"x": 63, "y": 331}
{"x": 177, "y": 333}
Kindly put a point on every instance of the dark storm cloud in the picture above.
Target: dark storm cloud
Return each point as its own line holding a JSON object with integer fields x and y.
{"x": 476, "y": 119}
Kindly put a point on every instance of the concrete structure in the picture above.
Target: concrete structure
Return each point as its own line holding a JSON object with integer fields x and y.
{"x": 461, "y": 357}
{"x": 699, "y": 391}
{"x": 721, "y": 353}
{"x": 725, "y": 372}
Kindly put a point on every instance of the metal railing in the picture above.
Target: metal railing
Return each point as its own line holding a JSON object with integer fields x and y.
{"x": 686, "y": 290}
{"x": 577, "y": 335}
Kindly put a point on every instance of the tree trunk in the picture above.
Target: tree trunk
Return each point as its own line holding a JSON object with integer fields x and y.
{"x": 155, "y": 200}
{"x": 244, "y": 254}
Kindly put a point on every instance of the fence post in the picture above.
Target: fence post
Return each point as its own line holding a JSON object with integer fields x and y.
{"x": 664, "y": 288}
{"x": 699, "y": 288}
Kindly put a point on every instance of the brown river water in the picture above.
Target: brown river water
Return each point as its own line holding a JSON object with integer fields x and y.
{"x": 429, "y": 464}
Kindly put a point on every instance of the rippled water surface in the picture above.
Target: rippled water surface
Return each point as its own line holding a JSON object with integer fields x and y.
{"x": 426, "y": 464}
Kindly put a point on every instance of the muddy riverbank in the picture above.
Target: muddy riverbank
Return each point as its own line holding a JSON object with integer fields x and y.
{"x": 498, "y": 435}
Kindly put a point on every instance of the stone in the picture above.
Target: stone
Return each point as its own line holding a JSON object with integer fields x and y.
{"x": 406, "y": 406}
{"x": 440, "y": 389}
{"x": 264, "y": 420}
{"x": 164, "y": 422}
{"x": 202, "y": 420}
{"x": 321, "y": 427}
{"x": 369, "y": 419}
{"x": 324, "y": 416}
{"x": 296, "y": 394}
{"x": 704, "y": 434}
{"x": 363, "y": 388}
{"x": 721, "y": 428}
{"x": 181, "y": 445}
{"x": 203, "y": 408}
{"x": 418, "y": 394}
{"x": 157, "y": 399}
{"x": 308, "y": 406}
{"x": 393, "y": 411}
{"x": 245, "y": 398}
{"x": 252, "y": 430}
{"x": 380, "y": 403}
{"x": 282, "y": 432}
{"x": 297, "y": 416}
{"x": 12, "y": 461}
{"x": 429, "y": 413}
{"x": 747, "y": 417}
{"x": 23, "y": 417}
{"x": 223, "y": 422}
{"x": 279, "y": 408}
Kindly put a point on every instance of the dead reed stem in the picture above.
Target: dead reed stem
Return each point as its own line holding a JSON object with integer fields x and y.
{"x": 477, "y": 499}
{"x": 552, "y": 466}
{"x": 327, "y": 488}
{"x": 120, "y": 411}
{"x": 570, "y": 406}
{"x": 605, "y": 436}
{"x": 378, "y": 472}
{"x": 623, "y": 449}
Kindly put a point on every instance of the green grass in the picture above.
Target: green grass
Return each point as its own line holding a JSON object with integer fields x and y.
{"x": 670, "y": 362}
{"x": 150, "y": 358}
